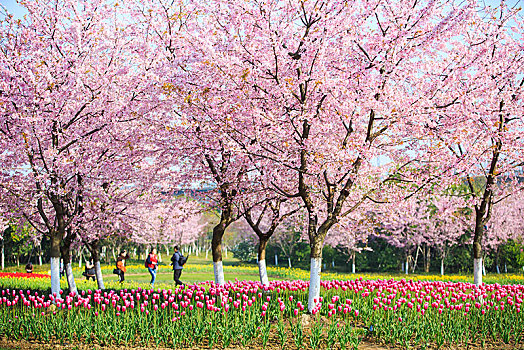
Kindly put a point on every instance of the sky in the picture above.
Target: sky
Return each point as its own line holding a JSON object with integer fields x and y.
{"x": 18, "y": 11}
{"x": 14, "y": 8}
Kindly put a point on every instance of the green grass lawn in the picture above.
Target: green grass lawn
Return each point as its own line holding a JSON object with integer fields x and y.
{"x": 198, "y": 269}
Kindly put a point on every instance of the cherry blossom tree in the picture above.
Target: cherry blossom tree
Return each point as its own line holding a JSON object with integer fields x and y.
{"x": 405, "y": 225}
{"x": 351, "y": 234}
{"x": 487, "y": 141}
{"x": 507, "y": 223}
{"x": 264, "y": 219}
{"x": 105, "y": 216}
{"x": 69, "y": 85}
{"x": 290, "y": 233}
{"x": 3, "y": 227}
{"x": 158, "y": 219}
{"x": 447, "y": 222}
{"x": 314, "y": 92}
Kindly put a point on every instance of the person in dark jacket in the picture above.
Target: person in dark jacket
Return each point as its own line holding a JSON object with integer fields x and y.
{"x": 89, "y": 271}
{"x": 29, "y": 268}
{"x": 177, "y": 266}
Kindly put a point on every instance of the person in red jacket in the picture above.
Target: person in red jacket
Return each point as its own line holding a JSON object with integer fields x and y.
{"x": 152, "y": 264}
{"x": 120, "y": 265}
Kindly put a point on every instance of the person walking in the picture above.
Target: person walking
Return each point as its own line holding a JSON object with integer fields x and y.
{"x": 152, "y": 264}
{"x": 29, "y": 267}
{"x": 89, "y": 271}
{"x": 121, "y": 266}
{"x": 177, "y": 260}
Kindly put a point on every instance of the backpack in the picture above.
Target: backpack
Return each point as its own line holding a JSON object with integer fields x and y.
{"x": 147, "y": 262}
{"x": 182, "y": 261}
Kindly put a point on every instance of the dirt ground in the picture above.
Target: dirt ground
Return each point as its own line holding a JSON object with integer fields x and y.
{"x": 25, "y": 345}
{"x": 272, "y": 345}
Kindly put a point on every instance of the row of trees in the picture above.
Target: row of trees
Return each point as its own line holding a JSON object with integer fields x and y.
{"x": 437, "y": 233}
{"x": 317, "y": 110}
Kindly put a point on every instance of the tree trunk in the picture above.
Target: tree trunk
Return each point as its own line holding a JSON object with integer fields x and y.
{"x": 40, "y": 254}
{"x": 477, "y": 271}
{"x": 477, "y": 256}
{"x": 2, "y": 258}
{"x": 80, "y": 257}
{"x": 428, "y": 259}
{"x": 95, "y": 255}
{"x": 104, "y": 250}
{"x": 70, "y": 278}
{"x": 314, "y": 273}
{"x": 216, "y": 248}
{"x": 289, "y": 262}
{"x": 353, "y": 263}
{"x": 66, "y": 256}
{"x": 442, "y": 257}
{"x": 407, "y": 264}
{"x": 262, "y": 271}
{"x": 415, "y": 263}
{"x": 54, "y": 255}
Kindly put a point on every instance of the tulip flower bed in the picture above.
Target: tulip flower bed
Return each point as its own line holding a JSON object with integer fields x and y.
{"x": 243, "y": 313}
{"x": 22, "y": 275}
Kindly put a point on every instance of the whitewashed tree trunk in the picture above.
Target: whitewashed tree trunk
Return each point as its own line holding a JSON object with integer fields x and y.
{"x": 2, "y": 258}
{"x": 98, "y": 274}
{"x": 289, "y": 262}
{"x": 225, "y": 251}
{"x": 276, "y": 260}
{"x": 442, "y": 267}
{"x": 40, "y": 256}
{"x": 262, "y": 271}
{"x": 70, "y": 278}
{"x": 407, "y": 265}
{"x": 415, "y": 263}
{"x": 207, "y": 252}
{"x": 314, "y": 283}
{"x": 113, "y": 251}
{"x": 477, "y": 271}
{"x": 218, "y": 270}
{"x": 353, "y": 264}
{"x": 55, "y": 276}
{"x": 80, "y": 258}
